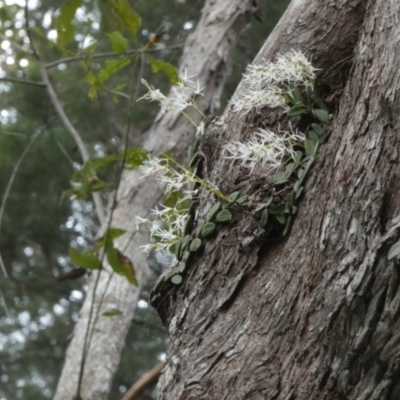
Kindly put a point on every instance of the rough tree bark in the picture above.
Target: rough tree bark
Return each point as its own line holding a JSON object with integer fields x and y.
{"x": 316, "y": 315}
{"x": 207, "y": 56}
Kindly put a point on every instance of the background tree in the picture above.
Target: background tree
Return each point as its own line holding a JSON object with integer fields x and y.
{"x": 313, "y": 315}
{"x": 35, "y": 230}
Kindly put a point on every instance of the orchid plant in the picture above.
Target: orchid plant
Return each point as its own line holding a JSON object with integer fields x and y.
{"x": 283, "y": 83}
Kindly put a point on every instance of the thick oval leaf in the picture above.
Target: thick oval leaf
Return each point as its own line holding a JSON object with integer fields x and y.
{"x": 177, "y": 279}
{"x": 322, "y": 115}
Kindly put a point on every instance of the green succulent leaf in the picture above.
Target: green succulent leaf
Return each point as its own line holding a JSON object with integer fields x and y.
{"x": 309, "y": 147}
{"x": 314, "y": 137}
{"x": 322, "y": 115}
{"x": 177, "y": 279}
{"x": 318, "y": 129}
{"x": 208, "y": 229}
{"x": 278, "y": 209}
{"x": 297, "y": 110}
{"x": 195, "y": 244}
{"x": 281, "y": 218}
{"x": 224, "y": 216}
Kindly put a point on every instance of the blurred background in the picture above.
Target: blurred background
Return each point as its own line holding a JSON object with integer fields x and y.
{"x": 37, "y": 155}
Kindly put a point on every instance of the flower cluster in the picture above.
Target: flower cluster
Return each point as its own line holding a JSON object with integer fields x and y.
{"x": 267, "y": 84}
{"x": 182, "y": 95}
{"x": 168, "y": 224}
{"x": 167, "y": 228}
{"x": 264, "y": 148}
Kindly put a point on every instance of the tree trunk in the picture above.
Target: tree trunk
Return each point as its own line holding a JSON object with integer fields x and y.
{"x": 315, "y": 315}
{"x": 207, "y": 56}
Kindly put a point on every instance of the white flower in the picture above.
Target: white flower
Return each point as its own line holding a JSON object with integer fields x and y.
{"x": 167, "y": 229}
{"x": 246, "y": 101}
{"x": 266, "y": 85}
{"x": 182, "y": 95}
{"x": 264, "y": 148}
{"x": 290, "y": 67}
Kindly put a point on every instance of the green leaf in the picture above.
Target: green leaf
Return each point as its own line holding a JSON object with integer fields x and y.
{"x": 112, "y": 313}
{"x": 295, "y": 93}
{"x": 298, "y": 110}
{"x": 65, "y": 28}
{"x": 224, "y": 216}
{"x": 290, "y": 168}
{"x": 118, "y": 42}
{"x": 287, "y": 226}
{"x": 97, "y": 186}
{"x": 309, "y": 147}
{"x": 135, "y": 157}
{"x": 314, "y": 137}
{"x": 97, "y": 163}
{"x": 281, "y": 218}
{"x": 110, "y": 235}
{"x": 120, "y": 264}
{"x": 234, "y": 196}
{"x": 297, "y": 156}
{"x": 127, "y": 15}
{"x": 195, "y": 244}
{"x": 177, "y": 279}
{"x": 322, "y": 115}
{"x": 264, "y": 217}
{"x": 317, "y": 129}
{"x": 166, "y": 68}
{"x": 84, "y": 260}
{"x": 279, "y": 209}
{"x": 111, "y": 67}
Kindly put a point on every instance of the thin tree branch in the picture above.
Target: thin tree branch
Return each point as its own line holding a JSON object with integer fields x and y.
{"x": 63, "y": 116}
{"x": 16, "y": 134}
{"x": 109, "y": 54}
{"x": 144, "y": 382}
{"x": 15, "y": 44}
{"x": 12, "y": 177}
{"x": 3, "y": 300}
{"x": 62, "y": 148}
{"x": 24, "y": 82}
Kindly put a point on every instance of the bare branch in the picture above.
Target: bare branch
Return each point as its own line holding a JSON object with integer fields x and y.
{"x": 63, "y": 116}
{"x": 144, "y": 382}
{"x": 16, "y": 134}
{"x": 24, "y": 82}
{"x": 16, "y": 45}
{"x": 12, "y": 177}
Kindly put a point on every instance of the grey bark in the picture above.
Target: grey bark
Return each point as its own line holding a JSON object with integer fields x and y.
{"x": 316, "y": 315}
{"x": 207, "y": 56}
